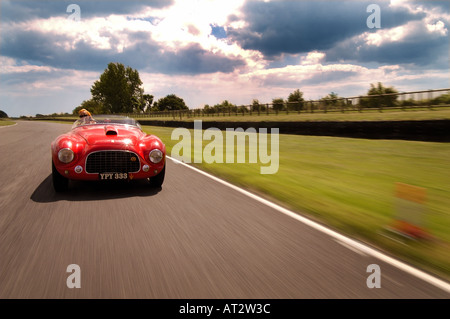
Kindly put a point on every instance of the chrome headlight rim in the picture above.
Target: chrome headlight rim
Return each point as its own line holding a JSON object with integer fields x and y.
{"x": 156, "y": 156}
{"x": 66, "y": 155}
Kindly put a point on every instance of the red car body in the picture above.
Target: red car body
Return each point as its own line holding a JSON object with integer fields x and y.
{"x": 107, "y": 148}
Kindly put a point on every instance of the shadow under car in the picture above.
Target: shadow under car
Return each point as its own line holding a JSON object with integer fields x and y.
{"x": 93, "y": 190}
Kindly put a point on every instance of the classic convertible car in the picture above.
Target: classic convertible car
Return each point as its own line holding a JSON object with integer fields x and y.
{"x": 107, "y": 148}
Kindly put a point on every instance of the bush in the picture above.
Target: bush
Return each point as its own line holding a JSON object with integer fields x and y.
{"x": 379, "y": 100}
{"x": 409, "y": 102}
{"x": 443, "y": 99}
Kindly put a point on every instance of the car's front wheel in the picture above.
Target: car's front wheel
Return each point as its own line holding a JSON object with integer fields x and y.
{"x": 157, "y": 181}
{"x": 60, "y": 183}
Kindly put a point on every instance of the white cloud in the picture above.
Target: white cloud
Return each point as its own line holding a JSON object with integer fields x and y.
{"x": 313, "y": 57}
{"x": 10, "y": 65}
{"x": 438, "y": 27}
{"x": 384, "y": 36}
{"x": 190, "y": 21}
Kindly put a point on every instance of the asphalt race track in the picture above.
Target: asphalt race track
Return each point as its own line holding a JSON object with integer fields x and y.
{"x": 194, "y": 238}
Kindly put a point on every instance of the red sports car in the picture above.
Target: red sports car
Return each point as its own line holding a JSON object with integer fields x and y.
{"x": 107, "y": 148}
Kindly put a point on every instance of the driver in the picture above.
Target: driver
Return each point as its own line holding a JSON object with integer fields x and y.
{"x": 85, "y": 117}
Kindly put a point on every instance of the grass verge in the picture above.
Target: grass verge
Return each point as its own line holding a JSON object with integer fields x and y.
{"x": 348, "y": 184}
{"x": 5, "y": 122}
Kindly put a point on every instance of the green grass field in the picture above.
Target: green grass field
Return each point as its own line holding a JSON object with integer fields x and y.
{"x": 5, "y": 122}
{"x": 348, "y": 184}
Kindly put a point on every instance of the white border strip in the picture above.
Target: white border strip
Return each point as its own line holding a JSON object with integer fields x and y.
{"x": 343, "y": 239}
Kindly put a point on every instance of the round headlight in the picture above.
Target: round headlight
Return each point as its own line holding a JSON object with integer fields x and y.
{"x": 156, "y": 156}
{"x": 66, "y": 155}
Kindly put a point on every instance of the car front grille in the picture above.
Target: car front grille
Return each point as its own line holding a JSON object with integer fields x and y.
{"x": 112, "y": 162}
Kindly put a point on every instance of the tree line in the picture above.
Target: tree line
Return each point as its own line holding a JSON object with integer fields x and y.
{"x": 296, "y": 102}
{"x": 119, "y": 90}
{"x": 378, "y": 96}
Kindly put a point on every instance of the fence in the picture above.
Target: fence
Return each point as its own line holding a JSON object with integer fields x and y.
{"x": 429, "y": 99}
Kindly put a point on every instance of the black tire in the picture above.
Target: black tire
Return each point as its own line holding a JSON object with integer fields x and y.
{"x": 60, "y": 183}
{"x": 157, "y": 181}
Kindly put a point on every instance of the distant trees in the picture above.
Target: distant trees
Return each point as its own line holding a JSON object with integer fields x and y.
{"x": 207, "y": 109}
{"x": 378, "y": 101}
{"x": 295, "y": 100}
{"x": 378, "y": 96}
{"x": 442, "y": 99}
{"x": 223, "y": 107}
{"x": 278, "y": 104}
{"x": 3, "y": 115}
{"x": 332, "y": 100}
{"x": 92, "y": 106}
{"x": 257, "y": 107}
{"x": 169, "y": 103}
{"x": 147, "y": 102}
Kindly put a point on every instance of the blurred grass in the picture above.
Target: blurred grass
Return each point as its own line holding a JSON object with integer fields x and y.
{"x": 348, "y": 184}
{"x": 5, "y": 122}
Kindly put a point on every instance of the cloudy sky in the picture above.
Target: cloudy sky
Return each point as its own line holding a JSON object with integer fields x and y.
{"x": 207, "y": 51}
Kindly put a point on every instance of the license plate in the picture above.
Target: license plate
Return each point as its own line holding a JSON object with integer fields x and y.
{"x": 112, "y": 176}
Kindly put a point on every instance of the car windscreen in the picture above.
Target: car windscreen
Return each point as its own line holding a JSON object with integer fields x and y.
{"x": 96, "y": 120}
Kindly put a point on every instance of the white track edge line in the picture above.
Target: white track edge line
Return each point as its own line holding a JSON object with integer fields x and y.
{"x": 350, "y": 242}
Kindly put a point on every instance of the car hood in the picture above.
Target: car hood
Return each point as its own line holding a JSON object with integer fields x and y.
{"x": 107, "y": 134}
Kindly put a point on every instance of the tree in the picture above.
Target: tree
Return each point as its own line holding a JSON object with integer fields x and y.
{"x": 119, "y": 89}
{"x": 225, "y": 106}
{"x": 278, "y": 104}
{"x": 331, "y": 100}
{"x": 147, "y": 102}
{"x": 207, "y": 109}
{"x": 442, "y": 99}
{"x": 170, "y": 103}
{"x": 92, "y": 106}
{"x": 3, "y": 115}
{"x": 378, "y": 101}
{"x": 295, "y": 100}
{"x": 257, "y": 107}
{"x": 243, "y": 109}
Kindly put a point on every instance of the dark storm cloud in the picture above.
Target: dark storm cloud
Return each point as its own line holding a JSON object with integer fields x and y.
{"x": 419, "y": 48}
{"x": 29, "y": 77}
{"x": 20, "y": 10}
{"x": 302, "y": 26}
{"x": 195, "y": 60}
{"x": 40, "y": 48}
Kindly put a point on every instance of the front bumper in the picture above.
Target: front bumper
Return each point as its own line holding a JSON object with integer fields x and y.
{"x": 76, "y": 170}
